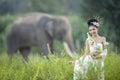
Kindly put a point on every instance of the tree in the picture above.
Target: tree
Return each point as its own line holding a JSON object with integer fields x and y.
{"x": 47, "y": 6}
{"x": 13, "y": 6}
{"x": 20, "y": 6}
{"x": 109, "y": 10}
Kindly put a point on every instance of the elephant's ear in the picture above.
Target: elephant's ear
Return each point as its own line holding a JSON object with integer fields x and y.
{"x": 49, "y": 28}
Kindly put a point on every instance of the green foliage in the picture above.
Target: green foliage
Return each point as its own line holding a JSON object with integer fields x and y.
{"x": 21, "y": 6}
{"x": 109, "y": 11}
{"x": 46, "y": 6}
{"x": 112, "y": 69}
{"x": 57, "y": 68}
{"x": 37, "y": 68}
{"x": 4, "y": 22}
{"x": 11, "y": 6}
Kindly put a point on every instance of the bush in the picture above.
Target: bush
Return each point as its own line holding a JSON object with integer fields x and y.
{"x": 5, "y": 21}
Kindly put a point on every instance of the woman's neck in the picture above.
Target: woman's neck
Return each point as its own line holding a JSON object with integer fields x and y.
{"x": 95, "y": 36}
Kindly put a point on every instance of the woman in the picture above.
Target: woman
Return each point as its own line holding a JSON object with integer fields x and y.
{"x": 95, "y": 53}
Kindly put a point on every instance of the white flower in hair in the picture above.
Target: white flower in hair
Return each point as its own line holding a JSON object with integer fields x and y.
{"x": 95, "y": 23}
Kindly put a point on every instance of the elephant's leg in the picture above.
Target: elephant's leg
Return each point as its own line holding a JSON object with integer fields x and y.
{"x": 11, "y": 52}
{"x": 44, "y": 50}
{"x": 25, "y": 52}
{"x": 52, "y": 49}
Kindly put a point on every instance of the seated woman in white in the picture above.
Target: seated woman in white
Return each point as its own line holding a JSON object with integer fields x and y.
{"x": 95, "y": 52}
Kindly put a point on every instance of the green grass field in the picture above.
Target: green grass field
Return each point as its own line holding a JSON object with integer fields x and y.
{"x": 57, "y": 68}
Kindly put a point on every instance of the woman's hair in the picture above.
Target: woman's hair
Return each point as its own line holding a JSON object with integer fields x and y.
{"x": 93, "y": 22}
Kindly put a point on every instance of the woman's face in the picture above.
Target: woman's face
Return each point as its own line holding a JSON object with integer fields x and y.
{"x": 93, "y": 30}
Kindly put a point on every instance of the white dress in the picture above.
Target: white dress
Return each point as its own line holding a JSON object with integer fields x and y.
{"x": 81, "y": 67}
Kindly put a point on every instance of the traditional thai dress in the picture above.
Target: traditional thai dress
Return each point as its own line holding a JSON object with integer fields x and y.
{"x": 82, "y": 65}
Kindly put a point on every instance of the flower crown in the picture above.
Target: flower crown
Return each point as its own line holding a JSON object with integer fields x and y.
{"x": 95, "y": 24}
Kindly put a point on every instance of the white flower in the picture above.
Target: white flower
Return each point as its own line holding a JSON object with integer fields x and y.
{"x": 98, "y": 48}
{"x": 106, "y": 43}
{"x": 95, "y": 23}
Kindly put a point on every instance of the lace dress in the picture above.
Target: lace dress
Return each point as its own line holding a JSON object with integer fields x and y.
{"x": 81, "y": 67}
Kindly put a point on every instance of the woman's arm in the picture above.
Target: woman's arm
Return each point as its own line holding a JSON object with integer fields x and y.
{"x": 104, "y": 52}
{"x": 86, "y": 51}
{"x": 103, "y": 42}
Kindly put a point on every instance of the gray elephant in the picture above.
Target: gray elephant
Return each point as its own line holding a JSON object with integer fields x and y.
{"x": 39, "y": 29}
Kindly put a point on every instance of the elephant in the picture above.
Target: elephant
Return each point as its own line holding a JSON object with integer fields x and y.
{"x": 39, "y": 29}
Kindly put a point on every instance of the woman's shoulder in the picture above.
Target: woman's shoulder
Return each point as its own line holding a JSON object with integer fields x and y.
{"x": 103, "y": 38}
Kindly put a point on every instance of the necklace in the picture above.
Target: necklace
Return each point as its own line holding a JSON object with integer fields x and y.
{"x": 96, "y": 38}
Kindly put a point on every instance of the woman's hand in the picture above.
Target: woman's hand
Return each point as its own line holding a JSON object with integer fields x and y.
{"x": 96, "y": 55}
{"x": 71, "y": 62}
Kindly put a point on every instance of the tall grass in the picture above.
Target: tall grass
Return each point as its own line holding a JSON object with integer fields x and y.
{"x": 36, "y": 69}
{"x": 112, "y": 67}
{"x": 57, "y": 68}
